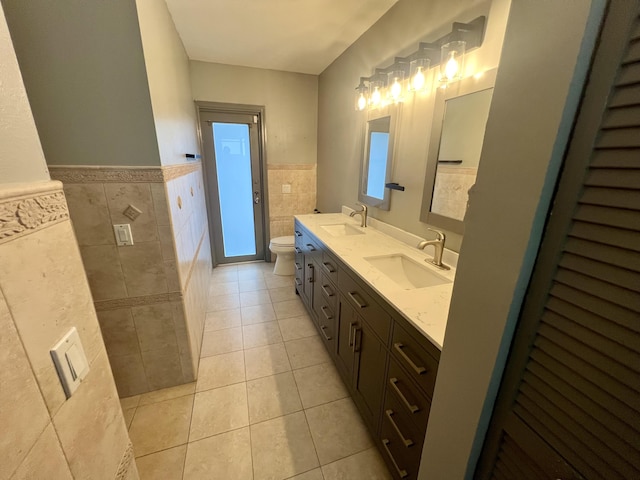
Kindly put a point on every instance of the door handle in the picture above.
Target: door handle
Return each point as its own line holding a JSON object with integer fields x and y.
{"x": 256, "y": 197}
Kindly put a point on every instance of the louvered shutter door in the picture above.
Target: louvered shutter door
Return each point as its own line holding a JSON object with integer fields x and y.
{"x": 575, "y": 409}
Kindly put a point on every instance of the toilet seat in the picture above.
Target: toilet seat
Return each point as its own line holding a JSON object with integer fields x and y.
{"x": 286, "y": 241}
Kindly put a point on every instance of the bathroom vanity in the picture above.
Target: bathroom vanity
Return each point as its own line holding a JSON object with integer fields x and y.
{"x": 381, "y": 312}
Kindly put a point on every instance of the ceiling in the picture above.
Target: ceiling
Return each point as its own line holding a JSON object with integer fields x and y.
{"x": 292, "y": 35}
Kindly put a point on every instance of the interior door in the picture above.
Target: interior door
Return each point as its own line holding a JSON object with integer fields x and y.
{"x": 233, "y": 171}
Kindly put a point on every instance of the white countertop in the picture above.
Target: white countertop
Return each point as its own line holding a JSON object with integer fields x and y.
{"x": 426, "y": 308}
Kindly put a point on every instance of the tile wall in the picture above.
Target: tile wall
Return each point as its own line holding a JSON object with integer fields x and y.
{"x": 149, "y": 296}
{"x": 43, "y": 293}
{"x": 302, "y": 198}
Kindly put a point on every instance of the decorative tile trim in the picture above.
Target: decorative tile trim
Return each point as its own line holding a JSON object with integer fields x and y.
{"x": 291, "y": 166}
{"x": 91, "y": 174}
{"x": 125, "y": 463}
{"x": 30, "y": 211}
{"x": 138, "y": 301}
{"x": 171, "y": 172}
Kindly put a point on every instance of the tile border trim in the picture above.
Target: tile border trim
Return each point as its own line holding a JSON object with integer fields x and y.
{"x": 107, "y": 174}
{"x": 291, "y": 166}
{"x": 30, "y": 208}
{"x": 137, "y": 301}
{"x": 125, "y": 463}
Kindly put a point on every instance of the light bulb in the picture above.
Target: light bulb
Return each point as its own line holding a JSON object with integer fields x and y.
{"x": 375, "y": 96}
{"x": 451, "y": 69}
{"x": 418, "y": 80}
{"x": 396, "y": 90}
{"x": 362, "y": 102}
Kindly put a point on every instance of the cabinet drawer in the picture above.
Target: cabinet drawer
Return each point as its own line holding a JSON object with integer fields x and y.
{"x": 330, "y": 266}
{"x": 355, "y": 294}
{"x": 416, "y": 360}
{"x": 327, "y": 324}
{"x": 414, "y": 405}
{"x": 329, "y": 291}
{"x": 402, "y": 464}
{"x": 395, "y": 412}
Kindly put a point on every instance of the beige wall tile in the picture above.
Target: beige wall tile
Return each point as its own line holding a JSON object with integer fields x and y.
{"x": 45, "y": 460}
{"x": 47, "y": 264}
{"x": 189, "y": 353}
{"x": 162, "y": 367}
{"x": 143, "y": 269}
{"x": 173, "y": 278}
{"x": 90, "y": 425}
{"x": 159, "y": 196}
{"x": 119, "y": 332}
{"x": 129, "y": 375}
{"x": 154, "y": 325}
{"x": 165, "y": 233}
{"x": 120, "y": 195}
{"x": 89, "y": 214}
{"x": 23, "y": 414}
{"x": 102, "y": 265}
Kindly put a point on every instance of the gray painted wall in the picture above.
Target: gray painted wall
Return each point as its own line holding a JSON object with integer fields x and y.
{"x": 534, "y": 104}
{"x": 341, "y": 128}
{"x": 84, "y": 73}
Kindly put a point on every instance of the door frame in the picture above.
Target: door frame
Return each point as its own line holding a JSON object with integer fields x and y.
{"x": 259, "y": 111}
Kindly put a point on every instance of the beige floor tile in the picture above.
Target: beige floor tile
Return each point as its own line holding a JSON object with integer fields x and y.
{"x": 252, "y": 285}
{"x": 129, "y": 402}
{"x": 128, "y": 416}
{"x": 315, "y": 474}
{"x": 221, "y": 341}
{"x": 164, "y": 465}
{"x": 223, "y": 302}
{"x": 261, "y": 334}
{"x": 257, "y": 314}
{"x": 297, "y": 327}
{"x": 220, "y": 371}
{"x": 224, "y": 275}
{"x": 258, "y": 297}
{"x": 306, "y": 352}
{"x": 278, "y": 281}
{"x": 367, "y": 465}
{"x": 282, "y": 294}
{"x": 220, "y": 289}
{"x": 271, "y": 397}
{"x": 337, "y": 430}
{"x": 289, "y": 308}
{"x": 167, "y": 393}
{"x": 249, "y": 274}
{"x": 266, "y": 361}
{"x": 223, "y": 457}
{"x": 219, "y": 410}
{"x": 319, "y": 384}
{"x": 222, "y": 319}
{"x": 282, "y": 447}
{"x": 161, "y": 425}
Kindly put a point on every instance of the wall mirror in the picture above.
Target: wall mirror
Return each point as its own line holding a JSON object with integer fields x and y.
{"x": 377, "y": 157}
{"x": 460, "y": 117}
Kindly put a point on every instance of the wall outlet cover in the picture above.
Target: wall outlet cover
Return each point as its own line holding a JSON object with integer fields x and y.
{"x": 70, "y": 361}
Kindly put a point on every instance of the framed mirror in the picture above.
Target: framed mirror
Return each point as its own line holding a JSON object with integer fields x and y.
{"x": 377, "y": 157}
{"x": 459, "y": 121}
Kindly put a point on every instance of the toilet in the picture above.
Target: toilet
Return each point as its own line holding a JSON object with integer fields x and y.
{"x": 283, "y": 247}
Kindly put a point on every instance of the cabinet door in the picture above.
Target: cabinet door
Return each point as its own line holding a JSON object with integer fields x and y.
{"x": 371, "y": 359}
{"x": 348, "y": 323}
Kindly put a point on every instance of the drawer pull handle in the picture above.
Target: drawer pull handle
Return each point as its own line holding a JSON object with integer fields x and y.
{"x": 298, "y": 234}
{"x": 356, "y": 345}
{"x": 324, "y": 311}
{"x": 310, "y": 267}
{"x": 328, "y": 267}
{"x": 412, "y": 408}
{"x": 297, "y": 249}
{"x": 310, "y": 247}
{"x": 298, "y": 282}
{"x": 401, "y": 473}
{"x": 298, "y": 266}
{"x": 351, "y": 329}
{"x": 322, "y": 329}
{"x": 417, "y": 369}
{"x": 353, "y": 297}
{"x": 327, "y": 291}
{"x": 407, "y": 441}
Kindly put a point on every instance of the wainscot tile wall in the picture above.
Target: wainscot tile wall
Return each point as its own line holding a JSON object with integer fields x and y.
{"x": 43, "y": 293}
{"x": 302, "y": 197}
{"x": 150, "y": 296}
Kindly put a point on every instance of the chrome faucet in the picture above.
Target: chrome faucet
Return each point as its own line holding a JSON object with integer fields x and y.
{"x": 362, "y": 213}
{"x": 438, "y": 245}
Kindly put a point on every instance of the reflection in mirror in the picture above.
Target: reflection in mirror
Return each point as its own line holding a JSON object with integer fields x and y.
{"x": 465, "y": 119}
{"x": 459, "y": 121}
{"x": 377, "y": 158}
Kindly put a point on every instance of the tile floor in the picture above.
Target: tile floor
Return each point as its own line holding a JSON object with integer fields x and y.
{"x": 268, "y": 402}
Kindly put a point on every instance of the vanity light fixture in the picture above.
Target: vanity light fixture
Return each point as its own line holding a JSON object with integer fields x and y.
{"x": 410, "y": 73}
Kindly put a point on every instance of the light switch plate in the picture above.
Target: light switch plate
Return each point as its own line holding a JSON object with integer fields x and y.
{"x": 70, "y": 361}
{"x": 123, "y": 234}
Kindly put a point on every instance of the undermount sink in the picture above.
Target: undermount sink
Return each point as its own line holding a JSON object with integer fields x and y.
{"x": 340, "y": 229}
{"x": 405, "y": 272}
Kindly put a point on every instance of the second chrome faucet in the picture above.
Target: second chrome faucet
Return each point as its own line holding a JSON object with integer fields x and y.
{"x": 362, "y": 213}
{"x": 438, "y": 245}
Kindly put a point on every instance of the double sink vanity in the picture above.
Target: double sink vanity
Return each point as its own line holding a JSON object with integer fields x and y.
{"x": 381, "y": 311}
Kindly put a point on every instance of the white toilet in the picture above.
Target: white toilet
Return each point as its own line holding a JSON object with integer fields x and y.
{"x": 283, "y": 247}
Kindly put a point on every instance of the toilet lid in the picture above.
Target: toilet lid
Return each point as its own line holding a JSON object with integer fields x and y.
{"x": 287, "y": 241}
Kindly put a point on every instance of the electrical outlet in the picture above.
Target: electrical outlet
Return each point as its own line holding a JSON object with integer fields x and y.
{"x": 123, "y": 234}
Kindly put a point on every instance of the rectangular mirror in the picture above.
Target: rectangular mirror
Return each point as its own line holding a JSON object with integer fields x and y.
{"x": 460, "y": 118}
{"x": 377, "y": 157}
